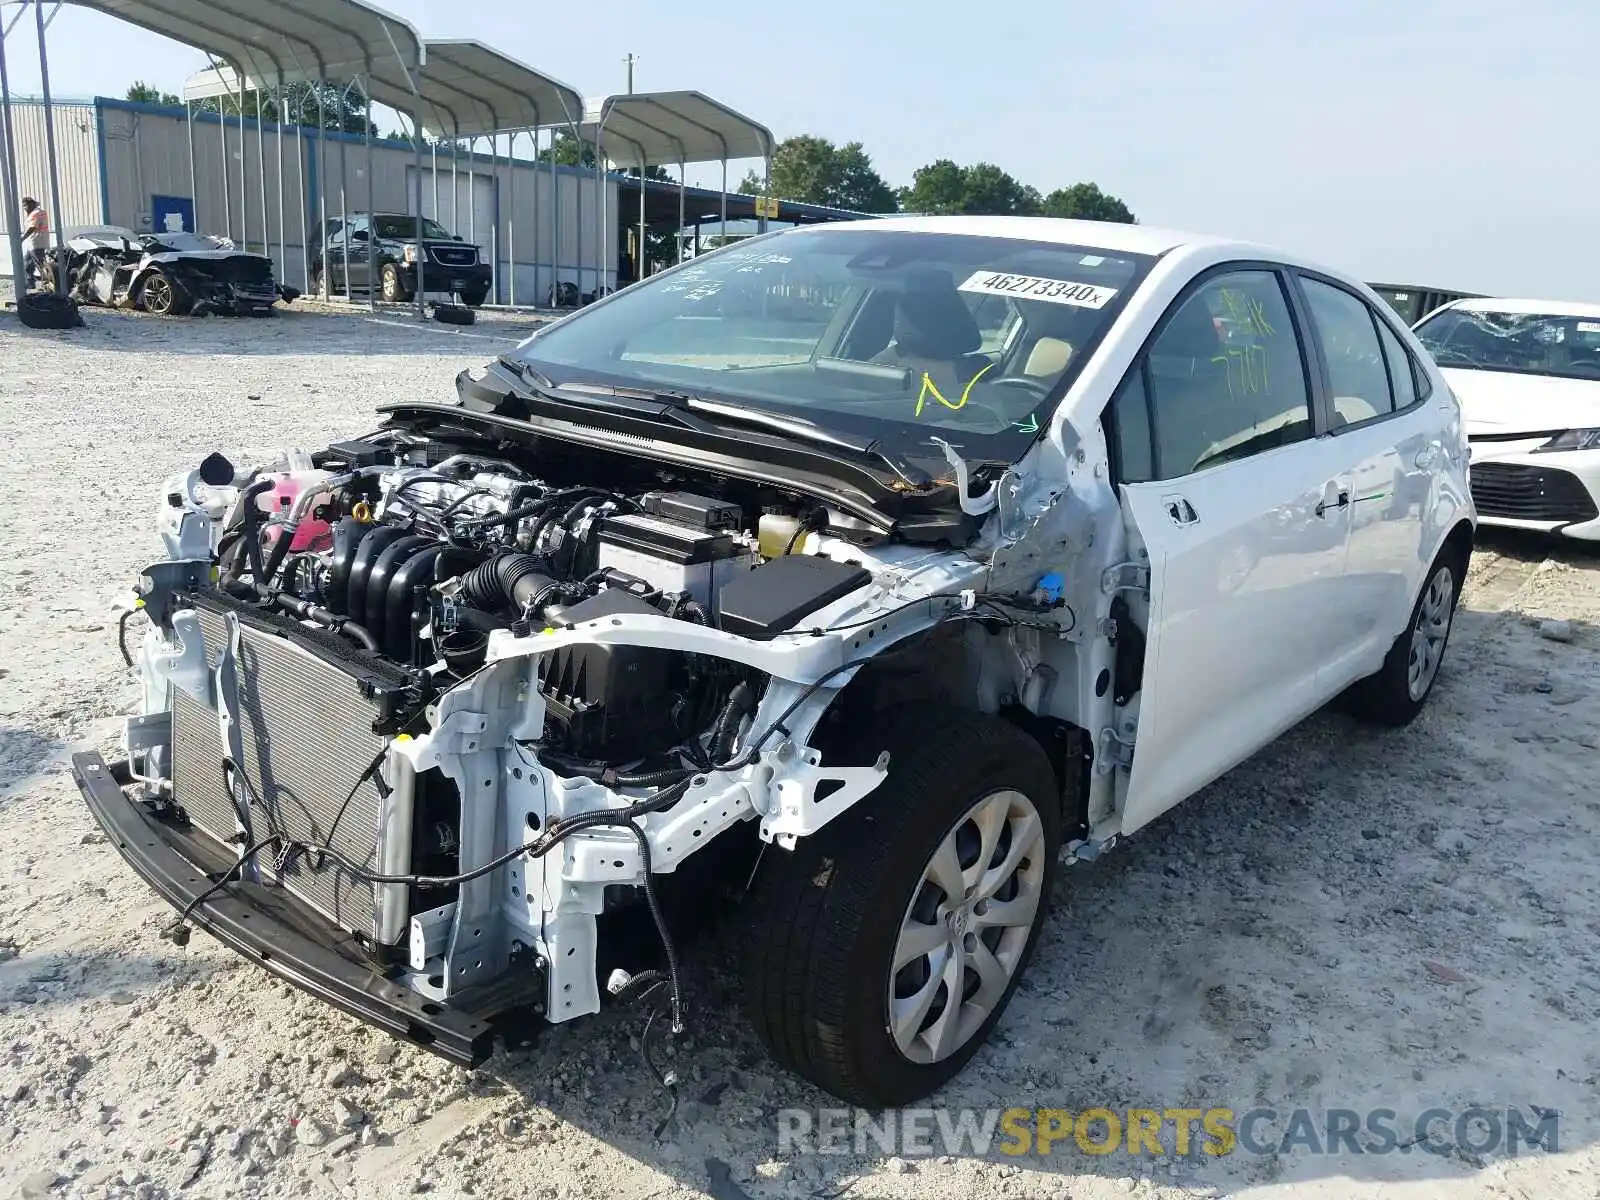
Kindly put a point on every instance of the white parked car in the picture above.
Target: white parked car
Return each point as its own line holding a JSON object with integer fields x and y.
{"x": 863, "y": 572}
{"x": 1527, "y": 373}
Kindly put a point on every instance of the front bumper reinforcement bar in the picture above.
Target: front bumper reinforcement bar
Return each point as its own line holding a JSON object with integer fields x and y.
{"x": 275, "y": 931}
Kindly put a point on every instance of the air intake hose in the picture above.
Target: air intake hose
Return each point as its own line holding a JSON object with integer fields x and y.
{"x": 517, "y": 581}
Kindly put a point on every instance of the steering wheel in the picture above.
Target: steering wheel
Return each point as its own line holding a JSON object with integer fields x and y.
{"x": 1027, "y": 383}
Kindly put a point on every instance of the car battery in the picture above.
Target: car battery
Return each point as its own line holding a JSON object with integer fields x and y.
{"x": 674, "y": 557}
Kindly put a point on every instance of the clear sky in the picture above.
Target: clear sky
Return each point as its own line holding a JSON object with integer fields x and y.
{"x": 1448, "y": 142}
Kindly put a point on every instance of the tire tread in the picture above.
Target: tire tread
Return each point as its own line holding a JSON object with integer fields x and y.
{"x": 810, "y": 902}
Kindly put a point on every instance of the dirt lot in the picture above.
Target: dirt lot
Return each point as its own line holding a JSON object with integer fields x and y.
{"x": 1352, "y": 920}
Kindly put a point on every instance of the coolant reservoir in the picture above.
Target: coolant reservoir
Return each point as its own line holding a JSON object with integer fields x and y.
{"x": 280, "y": 499}
{"x": 775, "y": 532}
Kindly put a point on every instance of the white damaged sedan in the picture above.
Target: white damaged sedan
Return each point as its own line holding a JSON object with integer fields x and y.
{"x": 1527, "y": 373}
{"x": 857, "y": 575}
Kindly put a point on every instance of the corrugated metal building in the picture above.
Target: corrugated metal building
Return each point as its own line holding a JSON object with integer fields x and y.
{"x": 127, "y": 164}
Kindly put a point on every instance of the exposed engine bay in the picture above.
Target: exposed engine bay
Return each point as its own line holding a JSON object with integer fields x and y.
{"x": 391, "y": 677}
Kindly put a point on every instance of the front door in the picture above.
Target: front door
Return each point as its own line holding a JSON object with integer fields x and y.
{"x": 1238, "y": 506}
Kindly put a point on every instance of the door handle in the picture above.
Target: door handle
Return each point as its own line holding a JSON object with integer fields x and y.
{"x": 1179, "y": 510}
{"x": 1324, "y": 505}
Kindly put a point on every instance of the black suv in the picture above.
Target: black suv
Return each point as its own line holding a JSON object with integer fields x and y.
{"x": 391, "y": 238}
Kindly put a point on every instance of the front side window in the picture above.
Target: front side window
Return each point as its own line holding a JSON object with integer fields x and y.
{"x": 1358, "y": 371}
{"x": 399, "y": 229}
{"x": 1226, "y": 376}
{"x": 1527, "y": 343}
{"x": 893, "y": 334}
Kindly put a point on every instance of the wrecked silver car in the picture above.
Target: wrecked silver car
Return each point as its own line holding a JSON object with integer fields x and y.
{"x": 169, "y": 274}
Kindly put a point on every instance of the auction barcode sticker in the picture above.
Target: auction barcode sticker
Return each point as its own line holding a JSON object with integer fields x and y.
{"x": 1034, "y": 287}
{"x": 1589, "y": 326}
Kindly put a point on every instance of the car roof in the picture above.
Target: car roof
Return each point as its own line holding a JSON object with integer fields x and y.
{"x": 1099, "y": 235}
{"x": 1547, "y": 308}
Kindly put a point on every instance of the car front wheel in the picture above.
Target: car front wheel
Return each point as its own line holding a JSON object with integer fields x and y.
{"x": 161, "y": 295}
{"x": 394, "y": 288}
{"x": 885, "y": 947}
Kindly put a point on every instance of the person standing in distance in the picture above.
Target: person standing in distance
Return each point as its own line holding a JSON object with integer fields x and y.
{"x": 35, "y": 236}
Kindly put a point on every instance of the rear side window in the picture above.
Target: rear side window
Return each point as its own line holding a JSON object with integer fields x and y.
{"x": 1402, "y": 370}
{"x": 1358, "y": 370}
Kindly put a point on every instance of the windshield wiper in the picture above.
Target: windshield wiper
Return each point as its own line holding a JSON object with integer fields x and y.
{"x": 605, "y": 398}
{"x": 682, "y": 406}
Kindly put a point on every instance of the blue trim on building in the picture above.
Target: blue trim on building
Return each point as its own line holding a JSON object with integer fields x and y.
{"x": 100, "y": 160}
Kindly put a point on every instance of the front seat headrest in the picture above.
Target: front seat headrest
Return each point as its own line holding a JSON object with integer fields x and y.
{"x": 932, "y": 321}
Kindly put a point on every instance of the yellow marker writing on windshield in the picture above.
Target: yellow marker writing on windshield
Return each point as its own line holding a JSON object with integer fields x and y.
{"x": 929, "y": 388}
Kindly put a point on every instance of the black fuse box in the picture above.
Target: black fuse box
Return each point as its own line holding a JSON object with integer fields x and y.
{"x": 686, "y": 508}
{"x": 780, "y": 594}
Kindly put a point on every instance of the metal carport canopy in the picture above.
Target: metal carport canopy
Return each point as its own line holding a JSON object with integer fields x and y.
{"x": 470, "y": 90}
{"x": 675, "y": 127}
{"x": 317, "y": 39}
{"x": 671, "y": 127}
{"x": 271, "y": 41}
{"x": 484, "y": 92}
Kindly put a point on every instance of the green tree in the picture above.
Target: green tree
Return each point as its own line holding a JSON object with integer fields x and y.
{"x": 1086, "y": 202}
{"x": 144, "y": 93}
{"x": 569, "y": 152}
{"x": 342, "y": 108}
{"x": 812, "y": 170}
{"x": 983, "y": 189}
{"x": 938, "y": 188}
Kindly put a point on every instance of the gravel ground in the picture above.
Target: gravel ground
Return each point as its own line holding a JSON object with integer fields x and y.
{"x": 1351, "y": 920}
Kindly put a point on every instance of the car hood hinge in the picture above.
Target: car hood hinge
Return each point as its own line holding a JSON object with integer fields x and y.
{"x": 1126, "y": 577}
{"x": 1113, "y": 751}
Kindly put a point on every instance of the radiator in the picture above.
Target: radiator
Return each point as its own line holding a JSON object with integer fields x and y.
{"x": 307, "y": 739}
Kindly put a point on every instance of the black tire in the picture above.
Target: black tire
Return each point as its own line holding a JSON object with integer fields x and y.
{"x": 394, "y": 288}
{"x": 1388, "y": 697}
{"x": 825, "y": 919}
{"x": 453, "y": 314}
{"x": 475, "y": 298}
{"x": 316, "y": 283}
{"x": 162, "y": 296}
{"x": 46, "y": 310}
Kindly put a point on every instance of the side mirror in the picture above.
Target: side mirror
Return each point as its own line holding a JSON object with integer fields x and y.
{"x": 359, "y": 235}
{"x": 456, "y": 237}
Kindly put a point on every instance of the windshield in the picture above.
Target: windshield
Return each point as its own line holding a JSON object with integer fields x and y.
{"x": 400, "y": 228}
{"x": 1531, "y": 343}
{"x": 900, "y": 336}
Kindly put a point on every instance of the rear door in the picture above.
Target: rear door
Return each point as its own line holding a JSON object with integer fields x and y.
{"x": 1392, "y": 443}
{"x": 1236, "y": 503}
